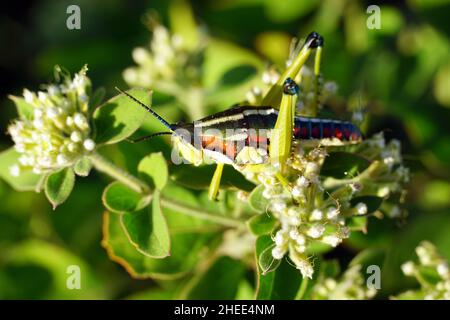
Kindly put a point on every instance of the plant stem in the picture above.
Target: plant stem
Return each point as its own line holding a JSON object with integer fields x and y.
{"x": 302, "y": 290}
{"x": 107, "y": 167}
{"x": 201, "y": 214}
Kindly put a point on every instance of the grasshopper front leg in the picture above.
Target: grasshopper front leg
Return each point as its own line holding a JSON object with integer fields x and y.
{"x": 215, "y": 182}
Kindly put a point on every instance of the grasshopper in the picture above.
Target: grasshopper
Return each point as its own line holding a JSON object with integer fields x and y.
{"x": 251, "y": 136}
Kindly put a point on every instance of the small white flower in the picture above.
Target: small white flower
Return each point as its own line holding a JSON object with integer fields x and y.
{"x": 306, "y": 269}
{"x": 294, "y": 234}
{"x": 80, "y": 121}
{"x": 301, "y": 240}
{"x": 89, "y": 144}
{"x": 278, "y": 205}
{"x": 28, "y": 95}
{"x": 443, "y": 269}
{"x": 278, "y": 253}
{"x": 302, "y": 182}
{"x": 61, "y": 160}
{"x": 332, "y": 213}
{"x": 316, "y": 215}
{"x": 316, "y": 231}
{"x": 332, "y": 240}
{"x": 76, "y": 136}
{"x": 280, "y": 238}
{"x": 297, "y": 191}
{"x": 361, "y": 208}
{"x": 408, "y": 268}
{"x": 14, "y": 170}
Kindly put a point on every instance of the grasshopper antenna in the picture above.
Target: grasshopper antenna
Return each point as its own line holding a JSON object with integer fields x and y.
{"x": 157, "y": 116}
{"x": 149, "y": 136}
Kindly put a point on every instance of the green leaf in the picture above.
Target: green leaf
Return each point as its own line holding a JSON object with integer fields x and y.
{"x": 342, "y": 165}
{"x": 59, "y": 185}
{"x": 83, "y": 167}
{"x": 119, "y": 198}
{"x": 372, "y": 202}
{"x": 147, "y": 230}
{"x": 153, "y": 168}
{"x": 24, "y": 109}
{"x": 97, "y": 97}
{"x": 283, "y": 283}
{"x": 37, "y": 269}
{"x": 261, "y": 224}
{"x": 26, "y": 181}
{"x": 187, "y": 249}
{"x": 120, "y": 117}
{"x": 200, "y": 177}
{"x": 220, "y": 281}
{"x": 266, "y": 261}
{"x": 257, "y": 201}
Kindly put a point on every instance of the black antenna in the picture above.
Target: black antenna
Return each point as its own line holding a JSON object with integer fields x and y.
{"x": 157, "y": 116}
{"x": 149, "y": 136}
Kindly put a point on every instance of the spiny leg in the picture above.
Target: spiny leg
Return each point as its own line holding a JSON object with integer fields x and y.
{"x": 282, "y": 134}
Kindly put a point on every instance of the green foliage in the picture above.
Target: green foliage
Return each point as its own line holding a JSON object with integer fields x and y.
{"x": 276, "y": 279}
{"x": 120, "y": 117}
{"x": 27, "y": 181}
{"x": 59, "y": 185}
{"x": 147, "y": 230}
{"x": 398, "y": 75}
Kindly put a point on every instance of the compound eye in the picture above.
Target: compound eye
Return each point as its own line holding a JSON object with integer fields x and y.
{"x": 290, "y": 87}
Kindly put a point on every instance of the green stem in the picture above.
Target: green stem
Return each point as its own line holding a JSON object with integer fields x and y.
{"x": 110, "y": 169}
{"x": 303, "y": 286}
{"x": 202, "y": 214}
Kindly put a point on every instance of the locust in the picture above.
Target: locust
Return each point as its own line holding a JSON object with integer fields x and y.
{"x": 248, "y": 137}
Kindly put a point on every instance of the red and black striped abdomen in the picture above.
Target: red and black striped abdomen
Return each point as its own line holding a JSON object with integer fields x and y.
{"x": 316, "y": 128}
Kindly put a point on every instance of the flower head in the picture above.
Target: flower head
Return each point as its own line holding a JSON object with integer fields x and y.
{"x": 56, "y": 133}
{"x": 436, "y": 284}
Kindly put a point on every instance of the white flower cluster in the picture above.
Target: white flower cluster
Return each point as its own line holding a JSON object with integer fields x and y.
{"x": 430, "y": 261}
{"x": 307, "y": 83}
{"x": 169, "y": 59}
{"x": 305, "y": 211}
{"x": 387, "y": 175}
{"x": 57, "y": 132}
{"x": 311, "y": 210}
{"x": 351, "y": 286}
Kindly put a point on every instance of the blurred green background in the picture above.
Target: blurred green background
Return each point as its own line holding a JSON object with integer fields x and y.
{"x": 400, "y": 74}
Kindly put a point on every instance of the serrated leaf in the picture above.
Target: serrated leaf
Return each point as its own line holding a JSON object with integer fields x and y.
{"x": 119, "y": 198}
{"x": 59, "y": 185}
{"x": 153, "y": 168}
{"x": 261, "y": 224}
{"x": 26, "y": 181}
{"x": 120, "y": 117}
{"x": 342, "y": 165}
{"x": 82, "y": 167}
{"x": 147, "y": 230}
{"x": 24, "y": 109}
{"x": 257, "y": 201}
{"x": 200, "y": 177}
